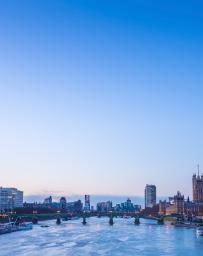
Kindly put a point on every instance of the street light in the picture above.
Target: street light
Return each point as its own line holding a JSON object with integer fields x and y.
{"x": 34, "y": 212}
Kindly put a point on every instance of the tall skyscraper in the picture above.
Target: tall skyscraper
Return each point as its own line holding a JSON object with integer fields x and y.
{"x": 197, "y": 187}
{"x": 63, "y": 203}
{"x": 150, "y": 195}
{"x": 87, "y": 203}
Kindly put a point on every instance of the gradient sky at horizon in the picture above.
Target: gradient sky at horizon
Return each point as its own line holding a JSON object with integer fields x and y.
{"x": 100, "y": 97}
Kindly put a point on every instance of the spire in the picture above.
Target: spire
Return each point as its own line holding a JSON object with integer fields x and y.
{"x": 198, "y": 171}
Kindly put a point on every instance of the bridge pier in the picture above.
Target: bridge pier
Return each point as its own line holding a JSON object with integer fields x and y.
{"x": 58, "y": 220}
{"x": 137, "y": 221}
{"x": 35, "y": 220}
{"x": 160, "y": 221}
{"x": 84, "y": 222}
{"x": 111, "y": 220}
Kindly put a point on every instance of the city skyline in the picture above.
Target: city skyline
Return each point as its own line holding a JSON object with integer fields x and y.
{"x": 57, "y": 194}
{"x": 150, "y": 197}
{"x": 149, "y": 200}
{"x": 100, "y": 98}
{"x": 11, "y": 196}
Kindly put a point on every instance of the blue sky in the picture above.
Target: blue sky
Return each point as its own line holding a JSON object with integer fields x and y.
{"x": 100, "y": 97}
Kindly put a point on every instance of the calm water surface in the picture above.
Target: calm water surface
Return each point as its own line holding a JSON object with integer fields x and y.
{"x": 98, "y": 238}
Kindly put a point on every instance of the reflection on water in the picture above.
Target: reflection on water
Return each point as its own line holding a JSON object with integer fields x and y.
{"x": 98, "y": 238}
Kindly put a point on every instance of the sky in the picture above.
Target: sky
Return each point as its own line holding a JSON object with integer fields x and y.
{"x": 100, "y": 97}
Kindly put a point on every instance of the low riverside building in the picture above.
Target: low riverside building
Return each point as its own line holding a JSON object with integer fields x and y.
{"x": 10, "y": 198}
{"x": 127, "y": 206}
{"x": 151, "y": 211}
{"x": 162, "y": 207}
{"x": 171, "y": 209}
{"x": 103, "y": 207}
{"x": 178, "y": 205}
{"x": 175, "y": 206}
{"x": 51, "y": 207}
{"x": 74, "y": 207}
{"x": 35, "y": 205}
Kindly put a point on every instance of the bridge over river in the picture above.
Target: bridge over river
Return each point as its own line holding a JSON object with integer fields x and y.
{"x": 35, "y": 217}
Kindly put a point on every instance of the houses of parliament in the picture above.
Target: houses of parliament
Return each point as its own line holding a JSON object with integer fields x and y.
{"x": 197, "y": 187}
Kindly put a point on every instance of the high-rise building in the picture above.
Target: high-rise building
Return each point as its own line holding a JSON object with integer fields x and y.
{"x": 10, "y": 198}
{"x": 197, "y": 187}
{"x": 87, "y": 203}
{"x": 63, "y": 203}
{"x": 150, "y": 196}
{"x": 48, "y": 200}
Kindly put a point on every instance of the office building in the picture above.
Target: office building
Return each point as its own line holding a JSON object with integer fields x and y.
{"x": 10, "y": 198}
{"x": 87, "y": 203}
{"x": 150, "y": 196}
{"x": 63, "y": 203}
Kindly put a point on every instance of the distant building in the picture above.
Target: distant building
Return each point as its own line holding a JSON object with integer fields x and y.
{"x": 74, "y": 207}
{"x": 87, "y": 203}
{"x": 175, "y": 206}
{"x": 179, "y": 203}
{"x": 197, "y": 188}
{"x": 48, "y": 200}
{"x": 63, "y": 203}
{"x": 193, "y": 209}
{"x": 162, "y": 207}
{"x": 171, "y": 209}
{"x": 10, "y": 198}
{"x": 104, "y": 206}
{"x": 151, "y": 211}
{"x": 127, "y": 206}
{"x": 150, "y": 196}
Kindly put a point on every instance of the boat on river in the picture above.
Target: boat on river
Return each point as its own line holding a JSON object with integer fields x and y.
{"x": 199, "y": 231}
{"x": 183, "y": 224}
{"x": 13, "y": 227}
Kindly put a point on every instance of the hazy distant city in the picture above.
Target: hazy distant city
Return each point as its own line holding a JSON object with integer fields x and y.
{"x": 101, "y": 106}
{"x": 11, "y": 200}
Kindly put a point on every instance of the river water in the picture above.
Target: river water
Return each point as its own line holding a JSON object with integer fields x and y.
{"x": 98, "y": 238}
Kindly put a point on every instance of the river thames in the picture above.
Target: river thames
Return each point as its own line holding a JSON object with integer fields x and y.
{"x": 98, "y": 238}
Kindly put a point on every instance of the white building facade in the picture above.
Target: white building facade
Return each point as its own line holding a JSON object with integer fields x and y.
{"x": 10, "y": 198}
